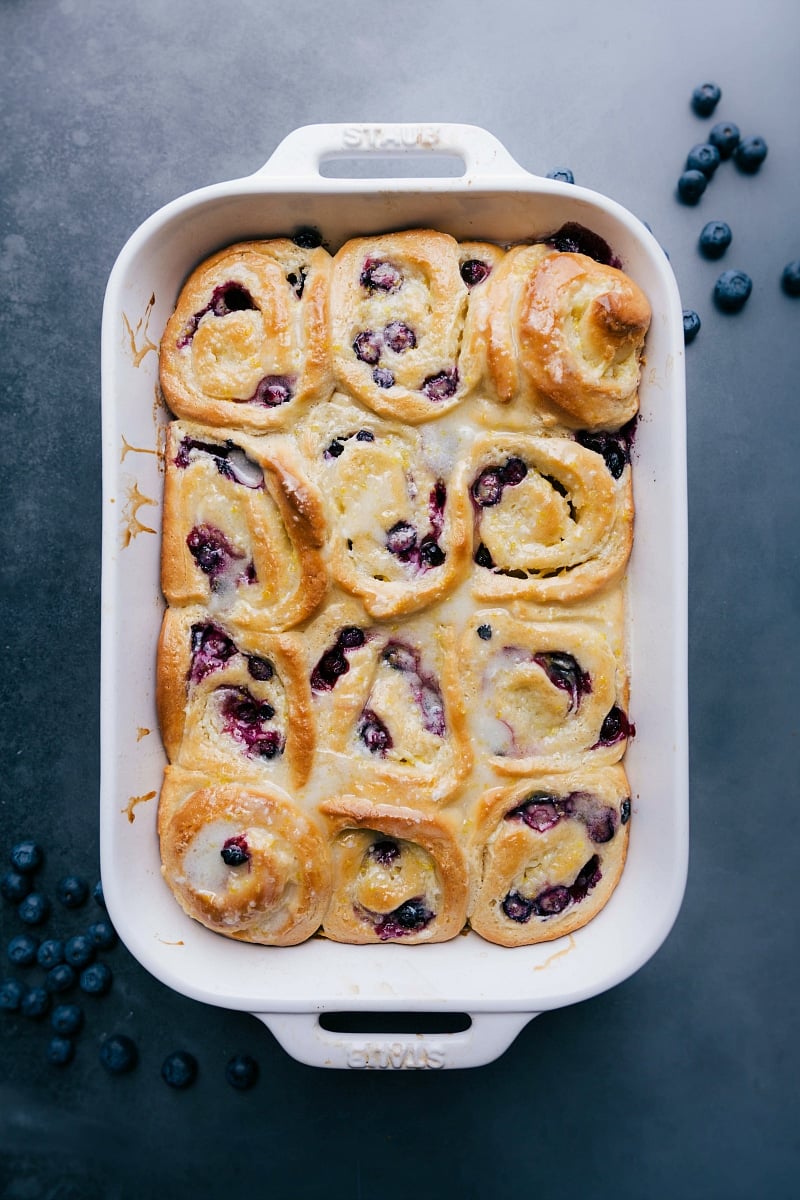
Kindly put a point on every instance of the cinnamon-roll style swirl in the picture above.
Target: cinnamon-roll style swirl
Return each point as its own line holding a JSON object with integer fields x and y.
{"x": 398, "y": 309}
{"x": 243, "y": 528}
{"x": 552, "y": 849}
{"x": 398, "y": 876}
{"x": 243, "y": 860}
{"x": 551, "y": 522}
{"x": 247, "y": 345}
{"x": 567, "y": 333}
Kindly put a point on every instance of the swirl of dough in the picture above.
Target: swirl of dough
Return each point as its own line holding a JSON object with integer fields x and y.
{"x": 243, "y": 529}
{"x": 247, "y": 344}
{"x": 399, "y": 306}
{"x": 550, "y": 520}
{"x": 398, "y": 876}
{"x": 569, "y": 332}
{"x": 543, "y": 695}
{"x": 552, "y": 849}
{"x": 243, "y": 860}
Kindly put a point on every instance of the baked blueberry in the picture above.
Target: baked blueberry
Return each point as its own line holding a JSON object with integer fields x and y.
{"x": 365, "y": 435}
{"x": 307, "y": 238}
{"x": 705, "y": 99}
{"x": 118, "y": 1054}
{"x": 179, "y": 1070}
{"x": 399, "y": 337}
{"x": 790, "y": 278}
{"x": 103, "y": 934}
{"x": 625, "y": 812}
{"x": 691, "y": 325}
{"x": 34, "y": 909}
{"x": 513, "y": 472}
{"x": 11, "y": 993}
{"x": 22, "y": 950}
{"x": 67, "y": 1019}
{"x": 588, "y": 876}
{"x": 333, "y": 662}
{"x": 401, "y": 539}
{"x": 244, "y": 718}
{"x": 540, "y": 812}
{"x": 50, "y": 953}
{"x": 703, "y": 157}
{"x": 615, "y": 447}
{"x": 60, "y": 1051}
{"x": 615, "y": 727}
{"x": 564, "y": 672}
{"x": 715, "y": 237}
{"x": 235, "y": 851}
{"x": 573, "y": 238}
{"x": 601, "y": 825}
{"x": 563, "y": 174}
{"x": 72, "y": 892}
{"x": 400, "y": 657}
{"x": 259, "y": 668}
{"x": 750, "y": 154}
{"x": 60, "y": 978}
{"x": 441, "y": 386}
{"x": 412, "y": 915}
{"x": 487, "y": 490}
{"x": 474, "y": 271}
{"x": 96, "y": 979}
{"x": 211, "y": 550}
{"x": 14, "y": 886}
{"x": 517, "y": 908}
{"x": 374, "y": 734}
{"x": 431, "y": 553}
{"x": 79, "y": 950}
{"x": 691, "y": 186}
{"x": 26, "y": 856}
{"x": 551, "y": 901}
{"x": 380, "y": 276}
{"x": 241, "y": 1072}
{"x": 230, "y": 297}
{"x": 382, "y": 377}
{"x": 367, "y": 347}
{"x": 384, "y": 852}
{"x": 273, "y": 390}
{"x": 725, "y": 136}
{"x": 484, "y": 632}
{"x": 732, "y": 290}
{"x": 297, "y": 281}
{"x": 35, "y": 1003}
{"x": 483, "y": 557}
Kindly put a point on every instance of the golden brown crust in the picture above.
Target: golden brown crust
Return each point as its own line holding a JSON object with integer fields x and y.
{"x": 398, "y": 876}
{"x": 279, "y": 891}
{"x": 552, "y": 849}
{"x": 252, "y": 553}
{"x": 247, "y": 345}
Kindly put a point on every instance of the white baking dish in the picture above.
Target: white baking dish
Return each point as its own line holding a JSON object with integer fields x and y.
{"x": 288, "y": 988}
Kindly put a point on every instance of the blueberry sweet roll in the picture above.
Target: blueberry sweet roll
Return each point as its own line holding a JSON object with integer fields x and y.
{"x": 550, "y": 520}
{"x": 247, "y": 344}
{"x": 399, "y": 535}
{"x": 397, "y": 876}
{"x": 243, "y": 528}
{"x": 567, "y": 333}
{"x": 544, "y": 695}
{"x": 243, "y": 860}
{"x": 233, "y": 700}
{"x": 552, "y": 849}
{"x": 398, "y": 310}
{"x": 387, "y": 704}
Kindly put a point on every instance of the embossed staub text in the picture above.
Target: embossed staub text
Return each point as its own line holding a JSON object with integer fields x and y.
{"x": 396, "y": 137}
{"x": 395, "y": 1056}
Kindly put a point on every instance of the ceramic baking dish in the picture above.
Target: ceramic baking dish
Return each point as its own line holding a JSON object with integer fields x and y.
{"x": 290, "y": 988}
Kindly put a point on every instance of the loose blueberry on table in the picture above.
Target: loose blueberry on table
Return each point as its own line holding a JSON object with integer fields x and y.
{"x": 691, "y": 186}
{"x": 60, "y": 1051}
{"x": 790, "y": 278}
{"x": 60, "y": 978}
{"x": 26, "y": 856}
{"x": 50, "y": 953}
{"x": 67, "y": 1019}
{"x": 703, "y": 157}
{"x": 72, "y": 892}
{"x": 118, "y": 1054}
{"x": 691, "y": 325}
{"x": 750, "y": 154}
{"x": 35, "y": 1003}
{"x": 11, "y": 993}
{"x": 22, "y": 950}
{"x": 705, "y": 99}
{"x": 179, "y": 1070}
{"x": 715, "y": 237}
{"x": 79, "y": 950}
{"x": 14, "y": 886}
{"x": 34, "y": 909}
{"x": 731, "y": 291}
{"x": 95, "y": 980}
{"x": 725, "y": 136}
{"x": 241, "y": 1072}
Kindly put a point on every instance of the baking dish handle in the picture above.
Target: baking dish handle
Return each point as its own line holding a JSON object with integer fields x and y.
{"x": 303, "y": 150}
{"x": 302, "y": 1036}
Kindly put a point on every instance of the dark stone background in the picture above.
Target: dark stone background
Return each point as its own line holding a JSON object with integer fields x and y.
{"x": 682, "y": 1080}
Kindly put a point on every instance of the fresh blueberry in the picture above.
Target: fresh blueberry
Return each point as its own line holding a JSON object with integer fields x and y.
{"x": 705, "y": 99}
{"x": 95, "y": 980}
{"x": 383, "y": 378}
{"x": 11, "y": 993}
{"x": 34, "y": 909}
{"x": 60, "y": 978}
{"x": 242, "y": 1072}
{"x": 72, "y": 891}
{"x": 35, "y": 1003}
{"x": 473, "y": 272}
{"x": 399, "y": 337}
{"x": 790, "y": 279}
{"x": 60, "y": 1051}
{"x": 67, "y": 1019}
{"x": 22, "y": 950}
{"x": 691, "y": 186}
{"x": 691, "y": 325}
{"x": 179, "y": 1070}
{"x": 50, "y": 953}
{"x": 26, "y": 856}
{"x": 703, "y": 157}
{"x": 732, "y": 290}
{"x": 234, "y": 852}
{"x": 14, "y": 886}
{"x": 103, "y": 934}
{"x": 715, "y": 237}
{"x": 118, "y": 1054}
{"x": 79, "y": 950}
{"x": 367, "y": 347}
{"x": 307, "y": 238}
{"x": 750, "y": 154}
{"x": 563, "y": 174}
{"x": 97, "y": 894}
{"x": 725, "y": 137}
